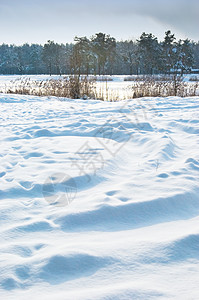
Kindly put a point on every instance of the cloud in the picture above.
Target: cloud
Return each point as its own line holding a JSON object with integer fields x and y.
{"x": 61, "y": 20}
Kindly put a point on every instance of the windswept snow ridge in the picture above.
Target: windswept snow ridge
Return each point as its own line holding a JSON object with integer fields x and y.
{"x": 99, "y": 200}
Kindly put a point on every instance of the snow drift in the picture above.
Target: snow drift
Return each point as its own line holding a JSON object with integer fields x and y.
{"x": 99, "y": 200}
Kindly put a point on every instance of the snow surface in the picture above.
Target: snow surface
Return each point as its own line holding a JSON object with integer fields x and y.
{"x": 99, "y": 200}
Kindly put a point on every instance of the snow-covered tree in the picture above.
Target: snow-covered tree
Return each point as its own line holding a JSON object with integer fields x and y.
{"x": 168, "y": 52}
{"x": 103, "y": 47}
{"x": 185, "y": 57}
{"x": 149, "y": 53}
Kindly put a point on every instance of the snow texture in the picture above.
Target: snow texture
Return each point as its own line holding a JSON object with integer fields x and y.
{"x": 99, "y": 200}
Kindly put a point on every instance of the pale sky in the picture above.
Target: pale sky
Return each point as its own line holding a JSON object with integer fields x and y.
{"x": 36, "y": 21}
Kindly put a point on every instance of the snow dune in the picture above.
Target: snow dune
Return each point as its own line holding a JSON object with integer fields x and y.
{"x": 99, "y": 200}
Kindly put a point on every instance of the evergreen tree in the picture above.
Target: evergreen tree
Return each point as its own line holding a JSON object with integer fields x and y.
{"x": 168, "y": 52}
{"x": 103, "y": 47}
{"x": 81, "y": 57}
{"x": 185, "y": 56}
{"x": 48, "y": 55}
{"x": 128, "y": 50}
{"x": 149, "y": 53}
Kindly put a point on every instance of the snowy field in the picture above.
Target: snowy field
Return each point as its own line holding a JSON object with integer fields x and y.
{"x": 99, "y": 200}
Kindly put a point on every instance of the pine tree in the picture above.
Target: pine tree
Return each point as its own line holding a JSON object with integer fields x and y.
{"x": 103, "y": 47}
{"x": 186, "y": 58}
{"x": 168, "y": 52}
{"x": 149, "y": 53}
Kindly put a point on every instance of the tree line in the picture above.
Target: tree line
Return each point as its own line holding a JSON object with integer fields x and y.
{"x": 102, "y": 54}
